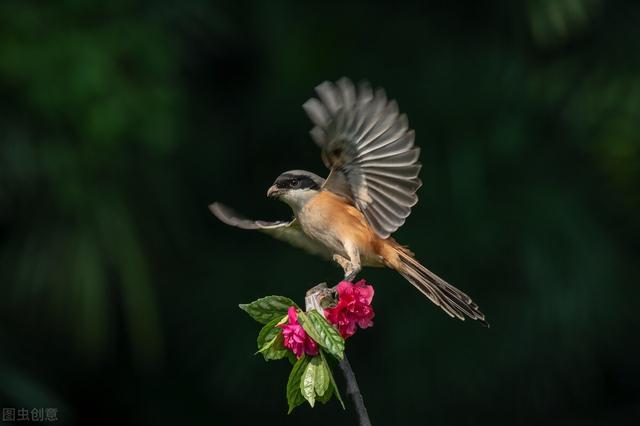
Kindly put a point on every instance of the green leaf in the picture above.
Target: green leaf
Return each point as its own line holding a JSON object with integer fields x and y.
{"x": 326, "y": 397}
{"x": 270, "y": 340}
{"x": 308, "y": 326}
{"x": 267, "y": 345}
{"x": 294, "y": 396}
{"x": 322, "y": 376}
{"x": 292, "y": 357}
{"x": 270, "y": 331}
{"x": 308, "y": 381}
{"x": 324, "y": 333}
{"x": 274, "y": 349}
{"x": 333, "y": 382}
{"x": 268, "y": 308}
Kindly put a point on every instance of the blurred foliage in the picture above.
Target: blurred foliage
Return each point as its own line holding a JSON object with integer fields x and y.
{"x": 121, "y": 121}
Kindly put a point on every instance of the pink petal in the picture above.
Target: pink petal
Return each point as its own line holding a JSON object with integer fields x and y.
{"x": 293, "y": 315}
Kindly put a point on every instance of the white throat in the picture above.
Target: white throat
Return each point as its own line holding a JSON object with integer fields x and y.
{"x": 298, "y": 198}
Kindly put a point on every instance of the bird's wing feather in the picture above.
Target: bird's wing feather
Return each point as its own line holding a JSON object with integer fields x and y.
{"x": 288, "y": 231}
{"x": 368, "y": 146}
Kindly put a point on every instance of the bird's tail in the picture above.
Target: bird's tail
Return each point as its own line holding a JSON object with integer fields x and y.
{"x": 453, "y": 301}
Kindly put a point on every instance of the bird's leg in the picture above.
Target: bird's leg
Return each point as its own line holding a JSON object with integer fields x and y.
{"x": 344, "y": 263}
{"x": 354, "y": 261}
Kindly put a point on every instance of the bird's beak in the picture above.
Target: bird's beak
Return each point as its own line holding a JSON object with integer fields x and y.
{"x": 272, "y": 191}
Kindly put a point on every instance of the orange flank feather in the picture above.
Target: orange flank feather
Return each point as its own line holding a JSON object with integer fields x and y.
{"x": 337, "y": 218}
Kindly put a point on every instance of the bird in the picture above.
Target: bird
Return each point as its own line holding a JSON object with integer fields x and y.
{"x": 373, "y": 163}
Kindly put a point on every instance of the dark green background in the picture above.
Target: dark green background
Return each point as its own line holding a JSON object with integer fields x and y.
{"x": 121, "y": 122}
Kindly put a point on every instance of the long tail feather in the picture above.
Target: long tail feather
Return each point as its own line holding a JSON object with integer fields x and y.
{"x": 453, "y": 301}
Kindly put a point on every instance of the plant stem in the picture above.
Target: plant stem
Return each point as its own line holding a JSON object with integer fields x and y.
{"x": 313, "y": 301}
{"x": 354, "y": 392}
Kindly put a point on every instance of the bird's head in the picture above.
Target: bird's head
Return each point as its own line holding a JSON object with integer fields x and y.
{"x": 295, "y": 187}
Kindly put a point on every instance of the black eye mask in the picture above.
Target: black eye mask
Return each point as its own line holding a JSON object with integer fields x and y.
{"x": 297, "y": 182}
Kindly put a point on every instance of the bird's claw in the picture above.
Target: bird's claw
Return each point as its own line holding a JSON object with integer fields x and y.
{"x": 350, "y": 276}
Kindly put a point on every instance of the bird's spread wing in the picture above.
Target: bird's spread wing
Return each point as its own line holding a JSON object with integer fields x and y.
{"x": 369, "y": 148}
{"x": 288, "y": 231}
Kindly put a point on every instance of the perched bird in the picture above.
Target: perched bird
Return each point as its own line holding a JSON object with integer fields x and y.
{"x": 368, "y": 147}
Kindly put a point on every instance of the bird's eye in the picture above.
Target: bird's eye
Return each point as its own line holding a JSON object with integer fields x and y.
{"x": 294, "y": 183}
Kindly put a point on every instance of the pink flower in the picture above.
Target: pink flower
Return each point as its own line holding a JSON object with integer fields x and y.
{"x": 295, "y": 338}
{"x": 353, "y": 308}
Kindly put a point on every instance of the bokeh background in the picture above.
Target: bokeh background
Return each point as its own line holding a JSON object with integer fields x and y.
{"x": 120, "y": 122}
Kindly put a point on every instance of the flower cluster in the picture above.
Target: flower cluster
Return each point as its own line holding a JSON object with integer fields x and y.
{"x": 295, "y": 338}
{"x": 308, "y": 338}
{"x": 352, "y": 311}
{"x": 353, "y": 308}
